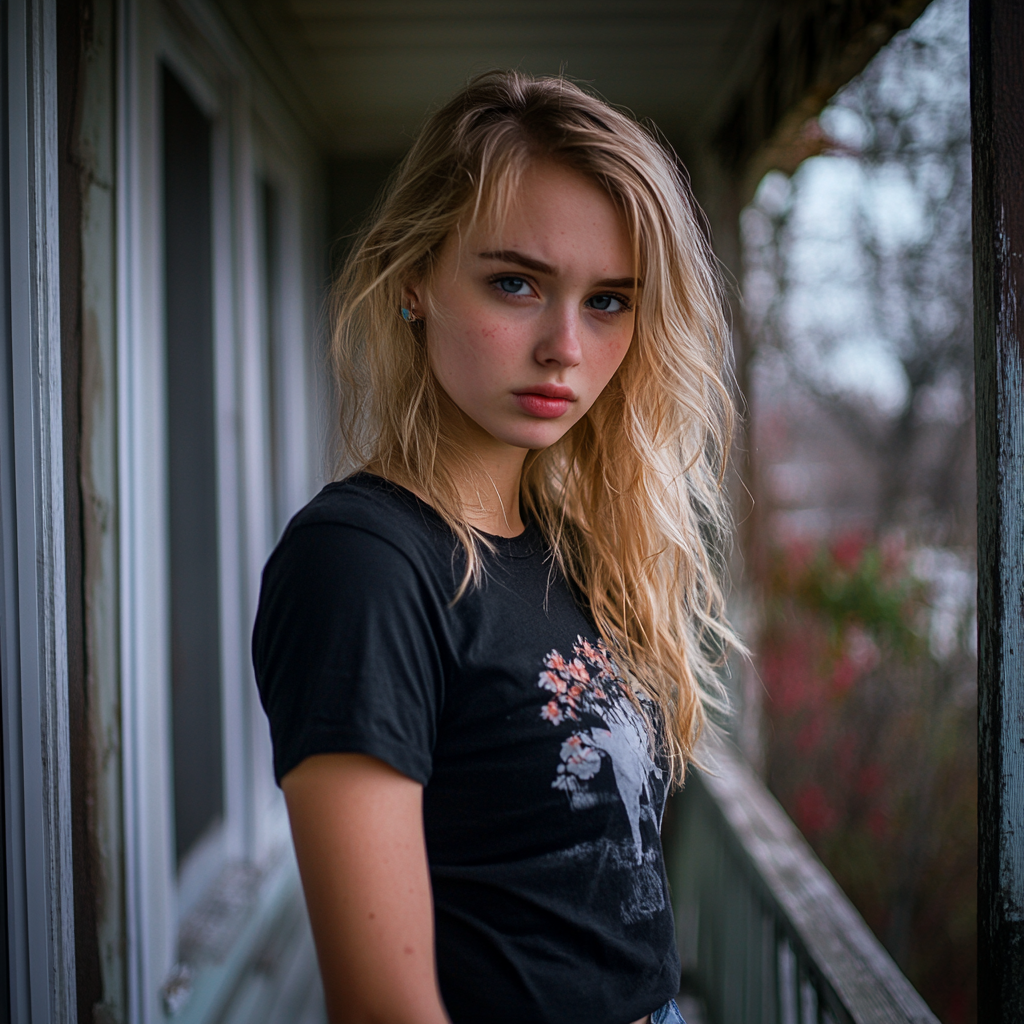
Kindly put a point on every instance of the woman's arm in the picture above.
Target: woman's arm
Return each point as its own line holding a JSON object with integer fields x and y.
{"x": 358, "y": 830}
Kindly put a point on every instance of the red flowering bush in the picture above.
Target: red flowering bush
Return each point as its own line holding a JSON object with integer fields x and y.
{"x": 871, "y": 749}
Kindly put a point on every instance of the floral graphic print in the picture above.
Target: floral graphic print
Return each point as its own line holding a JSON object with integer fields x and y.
{"x": 590, "y": 685}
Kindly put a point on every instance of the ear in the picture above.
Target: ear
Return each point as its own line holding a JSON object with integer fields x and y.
{"x": 413, "y": 295}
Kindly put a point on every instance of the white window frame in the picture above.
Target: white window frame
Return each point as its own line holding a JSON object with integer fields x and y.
{"x": 290, "y": 334}
{"x": 36, "y": 816}
{"x": 254, "y": 827}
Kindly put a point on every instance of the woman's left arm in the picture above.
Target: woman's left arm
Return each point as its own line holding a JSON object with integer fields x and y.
{"x": 358, "y": 830}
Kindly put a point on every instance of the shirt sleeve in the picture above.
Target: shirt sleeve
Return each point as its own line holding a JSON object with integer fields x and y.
{"x": 346, "y": 651}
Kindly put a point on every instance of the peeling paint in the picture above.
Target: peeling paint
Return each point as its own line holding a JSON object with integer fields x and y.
{"x": 1011, "y": 586}
{"x": 98, "y": 480}
{"x": 997, "y": 98}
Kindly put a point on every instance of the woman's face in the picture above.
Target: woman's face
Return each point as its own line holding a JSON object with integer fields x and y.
{"x": 526, "y": 323}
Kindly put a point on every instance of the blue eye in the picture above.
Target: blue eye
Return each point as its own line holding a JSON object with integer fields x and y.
{"x": 607, "y": 304}
{"x": 513, "y": 285}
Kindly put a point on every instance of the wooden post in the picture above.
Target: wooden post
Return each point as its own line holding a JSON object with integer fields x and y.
{"x": 997, "y": 110}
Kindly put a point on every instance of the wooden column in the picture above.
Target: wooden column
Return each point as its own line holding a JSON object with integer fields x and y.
{"x": 997, "y": 105}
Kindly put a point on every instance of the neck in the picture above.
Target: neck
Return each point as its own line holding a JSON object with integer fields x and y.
{"x": 488, "y": 478}
{"x": 489, "y": 489}
{"x": 487, "y": 481}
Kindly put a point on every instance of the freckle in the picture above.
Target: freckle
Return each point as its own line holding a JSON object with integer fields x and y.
{"x": 408, "y": 951}
{"x": 372, "y": 915}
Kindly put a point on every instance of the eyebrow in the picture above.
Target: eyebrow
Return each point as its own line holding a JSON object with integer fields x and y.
{"x": 511, "y": 256}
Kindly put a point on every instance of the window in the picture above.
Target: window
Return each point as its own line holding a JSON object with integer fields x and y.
{"x": 270, "y": 281}
{"x": 196, "y": 726}
{"x": 214, "y": 319}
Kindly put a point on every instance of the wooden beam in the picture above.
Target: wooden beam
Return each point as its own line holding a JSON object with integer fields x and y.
{"x": 997, "y": 111}
{"x": 815, "y": 48}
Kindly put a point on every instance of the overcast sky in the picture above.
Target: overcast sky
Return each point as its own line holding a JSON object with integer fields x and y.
{"x": 827, "y": 309}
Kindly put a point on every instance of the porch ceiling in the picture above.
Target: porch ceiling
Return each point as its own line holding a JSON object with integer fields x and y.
{"x": 371, "y": 68}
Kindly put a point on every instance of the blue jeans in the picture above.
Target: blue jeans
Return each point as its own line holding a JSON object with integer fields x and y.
{"x": 668, "y": 1014}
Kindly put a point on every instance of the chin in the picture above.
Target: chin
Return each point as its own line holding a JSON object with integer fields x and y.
{"x": 535, "y": 437}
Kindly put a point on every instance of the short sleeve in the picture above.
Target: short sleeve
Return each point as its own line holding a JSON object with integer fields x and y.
{"x": 346, "y": 651}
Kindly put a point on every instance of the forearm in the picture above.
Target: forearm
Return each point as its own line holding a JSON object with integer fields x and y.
{"x": 369, "y": 984}
{"x": 342, "y": 1011}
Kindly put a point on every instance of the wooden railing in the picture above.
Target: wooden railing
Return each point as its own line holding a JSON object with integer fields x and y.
{"x": 765, "y": 933}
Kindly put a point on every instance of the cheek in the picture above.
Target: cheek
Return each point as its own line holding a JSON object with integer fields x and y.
{"x": 608, "y": 357}
{"x": 472, "y": 346}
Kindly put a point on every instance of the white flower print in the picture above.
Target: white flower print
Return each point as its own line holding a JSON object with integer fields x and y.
{"x": 580, "y": 760}
{"x": 590, "y": 684}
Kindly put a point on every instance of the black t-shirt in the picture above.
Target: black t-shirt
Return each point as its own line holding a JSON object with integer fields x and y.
{"x": 543, "y": 790}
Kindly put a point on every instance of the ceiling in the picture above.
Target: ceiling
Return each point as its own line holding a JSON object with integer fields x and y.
{"x": 369, "y": 69}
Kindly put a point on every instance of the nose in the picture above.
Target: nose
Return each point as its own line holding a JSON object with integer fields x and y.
{"x": 559, "y": 342}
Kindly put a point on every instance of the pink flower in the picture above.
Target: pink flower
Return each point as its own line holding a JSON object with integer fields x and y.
{"x": 556, "y": 661}
{"x": 553, "y": 682}
{"x": 552, "y": 712}
{"x": 578, "y": 671}
{"x": 848, "y": 548}
{"x": 604, "y": 659}
{"x": 844, "y": 675}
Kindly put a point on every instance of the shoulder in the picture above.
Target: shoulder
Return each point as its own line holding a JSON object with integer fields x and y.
{"x": 349, "y": 644}
{"x": 366, "y": 520}
{"x": 371, "y": 505}
{"x": 361, "y": 542}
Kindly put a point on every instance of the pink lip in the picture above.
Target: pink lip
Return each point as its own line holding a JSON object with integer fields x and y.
{"x": 545, "y": 401}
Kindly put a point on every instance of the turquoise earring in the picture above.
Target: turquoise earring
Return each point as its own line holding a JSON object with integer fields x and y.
{"x": 406, "y": 315}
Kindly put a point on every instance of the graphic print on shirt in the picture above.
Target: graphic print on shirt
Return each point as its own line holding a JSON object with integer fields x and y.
{"x": 590, "y": 685}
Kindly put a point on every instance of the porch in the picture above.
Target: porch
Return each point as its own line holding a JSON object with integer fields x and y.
{"x": 148, "y": 873}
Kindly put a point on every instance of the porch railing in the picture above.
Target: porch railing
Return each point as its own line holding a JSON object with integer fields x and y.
{"x": 765, "y": 933}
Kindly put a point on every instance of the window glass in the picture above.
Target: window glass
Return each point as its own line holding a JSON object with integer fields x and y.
{"x": 270, "y": 205}
{"x": 192, "y": 469}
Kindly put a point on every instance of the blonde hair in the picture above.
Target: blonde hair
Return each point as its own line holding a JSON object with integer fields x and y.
{"x": 631, "y": 499}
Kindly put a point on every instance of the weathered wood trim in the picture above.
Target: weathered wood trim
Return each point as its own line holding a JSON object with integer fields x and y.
{"x": 997, "y": 111}
{"x": 801, "y": 902}
{"x": 95, "y": 157}
{"x": 815, "y": 48}
{"x": 33, "y": 638}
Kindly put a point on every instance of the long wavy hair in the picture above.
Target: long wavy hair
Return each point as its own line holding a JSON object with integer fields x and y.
{"x": 631, "y": 499}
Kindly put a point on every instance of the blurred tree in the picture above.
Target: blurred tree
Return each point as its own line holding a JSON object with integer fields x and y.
{"x": 872, "y": 752}
{"x": 858, "y": 306}
{"x": 863, "y": 257}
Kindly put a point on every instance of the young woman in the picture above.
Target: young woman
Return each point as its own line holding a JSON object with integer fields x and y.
{"x": 485, "y": 653}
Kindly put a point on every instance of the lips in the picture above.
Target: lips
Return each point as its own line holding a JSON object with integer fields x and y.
{"x": 545, "y": 401}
